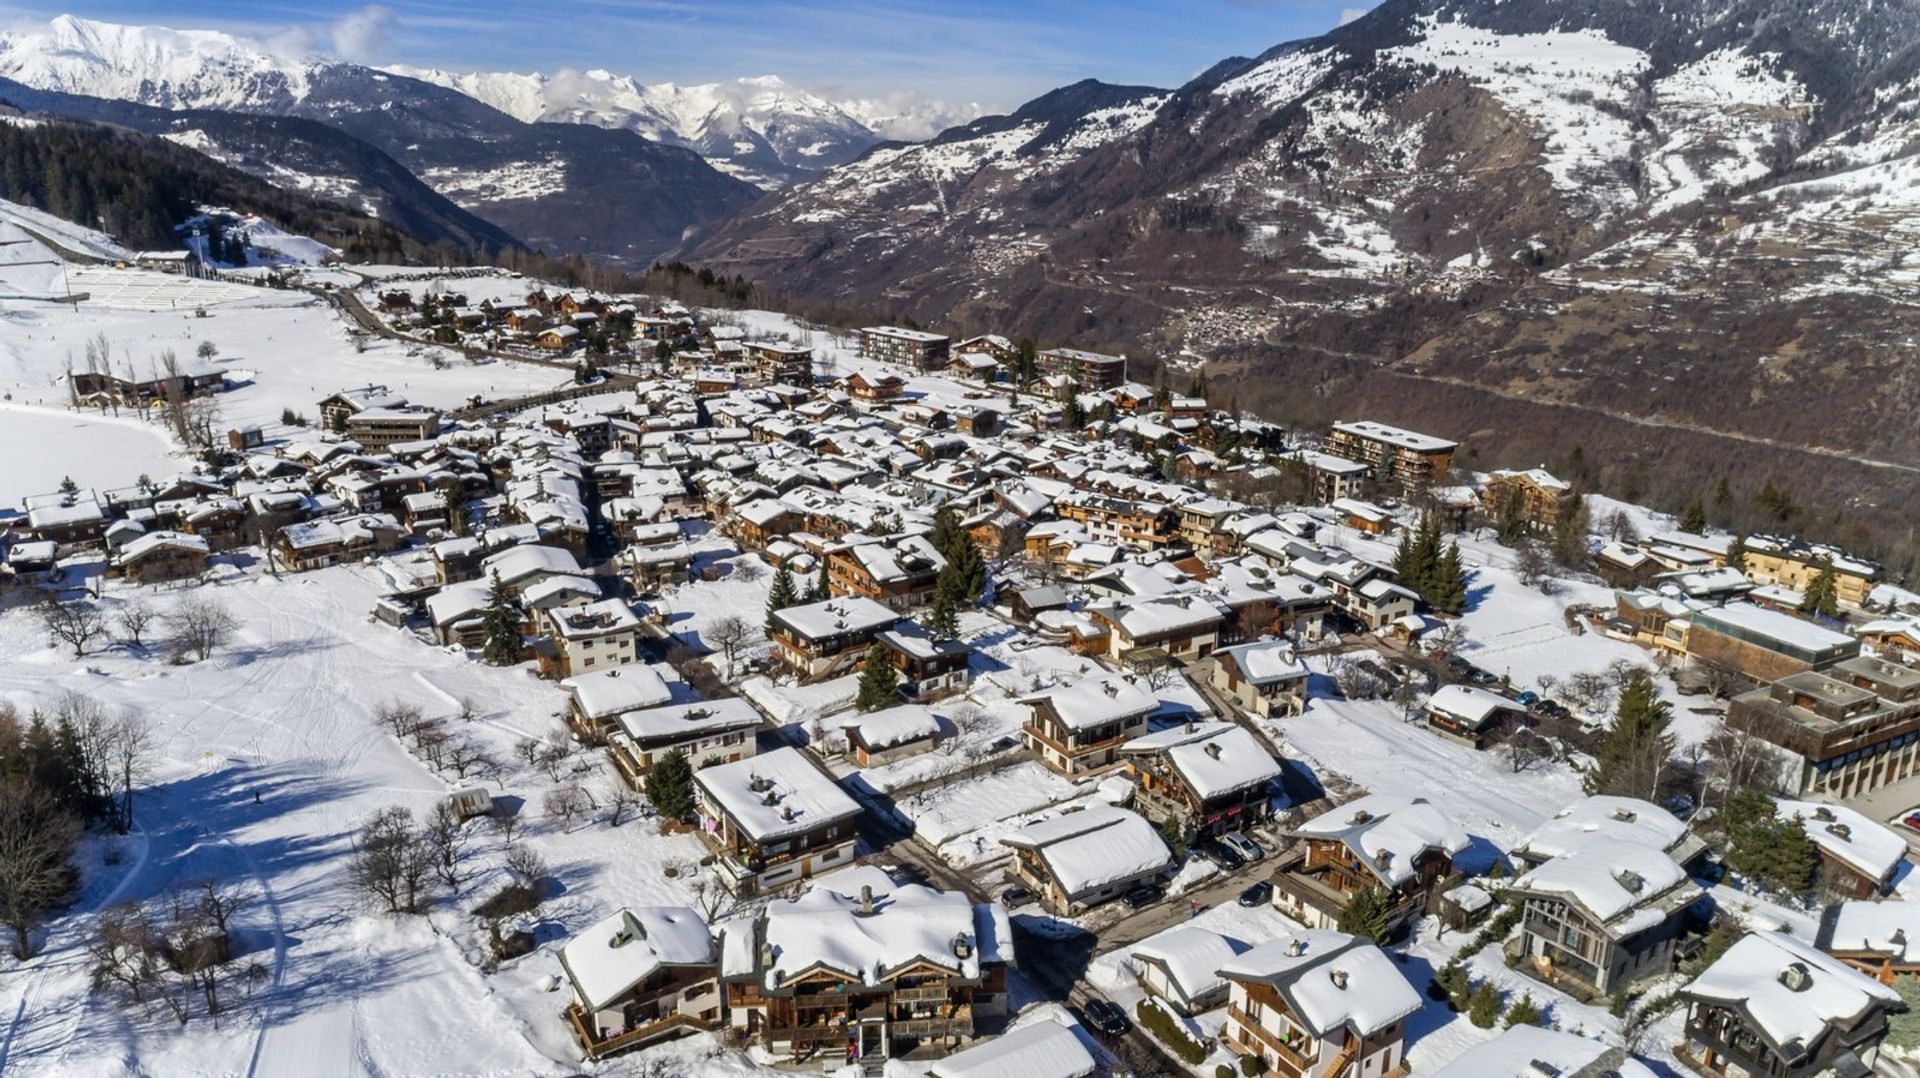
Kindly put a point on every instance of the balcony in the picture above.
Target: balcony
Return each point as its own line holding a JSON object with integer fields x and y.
{"x": 599, "y": 1048}
{"x": 1289, "y": 1054}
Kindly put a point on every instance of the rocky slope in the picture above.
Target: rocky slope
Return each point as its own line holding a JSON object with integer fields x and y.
{"x": 1689, "y": 210}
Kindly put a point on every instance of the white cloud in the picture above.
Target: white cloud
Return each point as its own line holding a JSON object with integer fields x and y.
{"x": 362, "y": 36}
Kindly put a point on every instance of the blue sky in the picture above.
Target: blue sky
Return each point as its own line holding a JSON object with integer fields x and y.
{"x": 994, "y": 52}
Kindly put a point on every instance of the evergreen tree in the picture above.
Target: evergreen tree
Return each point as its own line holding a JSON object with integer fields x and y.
{"x": 821, "y": 591}
{"x": 1633, "y": 757}
{"x": 781, "y": 595}
{"x": 1197, "y": 388}
{"x": 1450, "y": 582}
{"x": 1570, "y": 533}
{"x": 501, "y": 624}
{"x": 943, "y": 621}
{"x": 1365, "y": 915}
{"x": 967, "y": 570}
{"x": 1694, "y": 520}
{"x": 1524, "y": 1013}
{"x": 670, "y": 786}
{"x": 947, "y": 533}
{"x": 1822, "y": 596}
{"x": 456, "y": 502}
{"x": 1452, "y": 979}
{"x": 879, "y": 682}
{"x": 1737, "y": 553}
{"x": 1513, "y": 524}
{"x": 1163, "y": 391}
{"x": 1747, "y": 823}
{"x": 68, "y": 486}
{"x": 1792, "y": 859}
{"x": 1483, "y": 1005}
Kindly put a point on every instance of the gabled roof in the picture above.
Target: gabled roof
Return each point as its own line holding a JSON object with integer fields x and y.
{"x": 1388, "y": 833}
{"x": 1212, "y": 758}
{"x": 1093, "y": 847}
{"x": 614, "y": 954}
{"x": 1330, "y": 981}
{"x": 1791, "y": 994}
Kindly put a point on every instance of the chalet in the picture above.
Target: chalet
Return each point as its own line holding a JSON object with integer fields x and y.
{"x": 378, "y": 428}
{"x": 1533, "y": 498}
{"x": 1524, "y": 1051}
{"x": 759, "y": 522}
{"x": 1265, "y": 678}
{"x": 1044, "y": 1048}
{"x": 1181, "y": 968}
{"x": 188, "y": 379}
{"x": 1363, "y": 516}
{"x": 1379, "y": 603}
{"x": 344, "y": 405}
{"x": 911, "y": 348}
{"x": 1626, "y": 819}
{"x": 1602, "y": 916}
{"x": 1183, "y": 627}
{"x": 1879, "y": 938}
{"x": 1207, "y": 778}
{"x": 640, "y": 976}
{"x": 161, "y": 555}
{"x": 1859, "y": 858}
{"x": 558, "y": 338}
{"x": 830, "y": 637}
{"x": 651, "y": 567}
{"x": 1791, "y": 563}
{"x": 316, "y": 544}
{"x": 773, "y": 820}
{"x": 1408, "y": 459}
{"x": 927, "y": 669}
{"x": 777, "y": 362}
{"x": 394, "y": 300}
{"x": 860, "y": 969}
{"x": 899, "y": 574}
{"x": 1142, "y": 525}
{"x": 1474, "y": 716}
{"x": 1079, "y": 859}
{"x": 879, "y": 387}
{"x": 1080, "y": 727}
{"x": 458, "y": 613}
{"x": 877, "y": 738}
{"x": 705, "y": 731}
{"x": 34, "y": 562}
{"x": 75, "y": 518}
{"x": 1400, "y": 846}
{"x": 1029, "y": 603}
{"x": 1776, "y": 1006}
{"x": 1092, "y": 371}
{"x": 597, "y": 700}
{"x": 1319, "y": 1004}
{"x": 1851, "y": 729}
{"x": 991, "y": 345}
{"x": 1894, "y": 638}
{"x": 593, "y": 637}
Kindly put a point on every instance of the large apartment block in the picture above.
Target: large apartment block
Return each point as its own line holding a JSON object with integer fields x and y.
{"x": 907, "y": 347}
{"x": 1093, "y": 370}
{"x": 1408, "y": 458}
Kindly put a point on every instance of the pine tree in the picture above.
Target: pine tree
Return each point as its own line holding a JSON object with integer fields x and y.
{"x": 1570, "y": 533}
{"x": 1197, "y": 389}
{"x": 1513, "y": 524}
{"x": 1822, "y": 596}
{"x": 1483, "y": 1005}
{"x": 1747, "y": 824}
{"x": 68, "y": 486}
{"x": 1524, "y": 1013}
{"x": 1450, "y": 582}
{"x": 879, "y": 682}
{"x": 968, "y": 571}
{"x": 1791, "y": 859}
{"x": 1452, "y": 979}
{"x": 1365, "y": 915}
{"x": 1163, "y": 391}
{"x": 1694, "y": 520}
{"x": 1634, "y": 755}
{"x": 456, "y": 502}
{"x": 821, "y": 591}
{"x": 670, "y": 786}
{"x": 1737, "y": 553}
{"x": 781, "y": 595}
{"x": 947, "y": 533}
{"x": 943, "y": 621}
{"x": 502, "y": 626}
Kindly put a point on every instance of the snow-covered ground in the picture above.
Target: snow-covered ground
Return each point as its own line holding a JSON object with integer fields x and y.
{"x": 94, "y": 450}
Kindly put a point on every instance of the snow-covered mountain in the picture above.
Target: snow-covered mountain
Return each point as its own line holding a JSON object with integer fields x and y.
{"x": 562, "y": 187}
{"x": 760, "y": 129}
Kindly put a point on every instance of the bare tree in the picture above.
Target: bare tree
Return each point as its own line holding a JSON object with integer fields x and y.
{"x": 563, "y": 803}
{"x": 391, "y": 862}
{"x": 711, "y": 898}
{"x": 620, "y": 799}
{"x": 749, "y": 569}
{"x": 466, "y": 756}
{"x": 551, "y": 758}
{"x": 400, "y": 719}
{"x": 1620, "y": 528}
{"x": 527, "y": 749}
{"x": 506, "y": 822}
{"x": 129, "y": 759}
{"x": 528, "y": 868}
{"x": 202, "y": 626}
{"x": 445, "y": 834}
{"x": 1524, "y": 750}
{"x": 729, "y": 634}
{"x": 134, "y": 618}
{"x": 75, "y": 624}
{"x": 1533, "y": 564}
{"x": 1722, "y": 681}
{"x": 124, "y": 950}
{"x": 37, "y": 838}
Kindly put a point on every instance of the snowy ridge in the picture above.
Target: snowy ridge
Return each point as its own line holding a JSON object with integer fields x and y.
{"x": 153, "y": 65}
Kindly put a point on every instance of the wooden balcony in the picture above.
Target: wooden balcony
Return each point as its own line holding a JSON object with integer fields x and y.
{"x": 600, "y": 1048}
{"x": 1289, "y": 1055}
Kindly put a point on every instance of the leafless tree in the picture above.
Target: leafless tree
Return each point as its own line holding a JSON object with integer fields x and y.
{"x": 432, "y": 741}
{"x": 1354, "y": 681}
{"x": 467, "y": 711}
{"x": 129, "y": 758}
{"x": 563, "y": 803}
{"x": 202, "y": 625}
{"x": 401, "y": 719}
{"x": 505, "y": 821}
{"x": 1524, "y": 750}
{"x": 529, "y": 869}
{"x": 37, "y": 837}
{"x": 620, "y": 799}
{"x": 711, "y": 898}
{"x": 125, "y": 950}
{"x": 527, "y": 749}
{"x": 1737, "y": 760}
{"x": 1533, "y": 564}
{"x": 75, "y": 624}
{"x": 445, "y": 834}
{"x": 1619, "y": 527}
{"x": 391, "y": 862}
{"x": 551, "y": 758}
{"x": 729, "y": 634}
{"x": 749, "y": 569}
{"x": 1722, "y": 681}
{"x": 465, "y": 756}
{"x": 134, "y": 618}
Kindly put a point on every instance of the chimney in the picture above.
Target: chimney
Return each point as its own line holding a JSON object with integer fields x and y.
{"x": 1213, "y": 750}
{"x": 1339, "y": 979}
{"x": 866, "y": 900}
{"x": 962, "y": 946}
{"x": 1296, "y": 947}
{"x": 1796, "y": 977}
{"x": 1823, "y": 814}
{"x": 1624, "y": 814}
{"x": 1840, "y": 831}
{"x": 1384, "y": 857}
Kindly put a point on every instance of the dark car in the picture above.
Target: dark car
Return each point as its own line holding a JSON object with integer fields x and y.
{"x": 1258, "y": 895}
{"x": 1142, "y": 897}
{"x": 1016, "y": 896}
{"x": 1220, "y": 855}
{"x": 1108, "y": 1018}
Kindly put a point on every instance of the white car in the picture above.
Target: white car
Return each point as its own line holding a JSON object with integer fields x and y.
{"x": 1242, "y": 845}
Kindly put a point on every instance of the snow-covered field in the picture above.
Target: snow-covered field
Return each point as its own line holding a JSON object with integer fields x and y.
{"x": 94, "y": 451}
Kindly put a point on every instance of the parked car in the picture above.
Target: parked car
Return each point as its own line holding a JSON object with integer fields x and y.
{"x": 1527, "y": 699}
{"x": 1143, "y": 896}
{"x": 1016, "y": 896}
{"x": 1258, "y": 895}
{"x": 1911, "y": 821}
{"x": 1213, "y": 850}
{"x": 1108, "y": 1018}
{"x": 1248, "y": 849}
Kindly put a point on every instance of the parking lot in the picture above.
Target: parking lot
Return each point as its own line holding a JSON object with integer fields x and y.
{"x": 1889, "y": 805}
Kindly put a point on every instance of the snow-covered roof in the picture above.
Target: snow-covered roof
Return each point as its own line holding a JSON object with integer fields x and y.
{"x": 618, "y": 952}
{"x": 1396, "y": 436}
{"x": 1192, "y": 957}
{"x": 894, "y": 726}
{"x": 1790, "y": 991}
{"x": 1626, "y": 818}
{"x": 1532, "y": 1052}
{"x": 1891, "y": 928}
{"x": 1268, "y": 662}
{"x": 1330, "y": 980}
{"x": 1045, "y": 1049}
{"x": 1470, "y": 704}
{"x": 1093, "y": 847}
{"x": 1213, "y": 758}
{"x": 520, "y": 562}
{"x": 595, "y": 619}
{"x": 775, "y": 794}
{"x": 1752, "y": 620}
{"x": 1096, "y": 699}
{"x": 859, "y": 924}
{"x": 844, "y": 614}
{"x": 688, "y": 719}
{"x": 1388, "y": 832}
{"x": 914, "y": 335}
{"x": 607, "y": 693}
{"x": 161, "y": 540}
{"x": 1850, "y": 837}
{"x": 1613, "y": 878}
